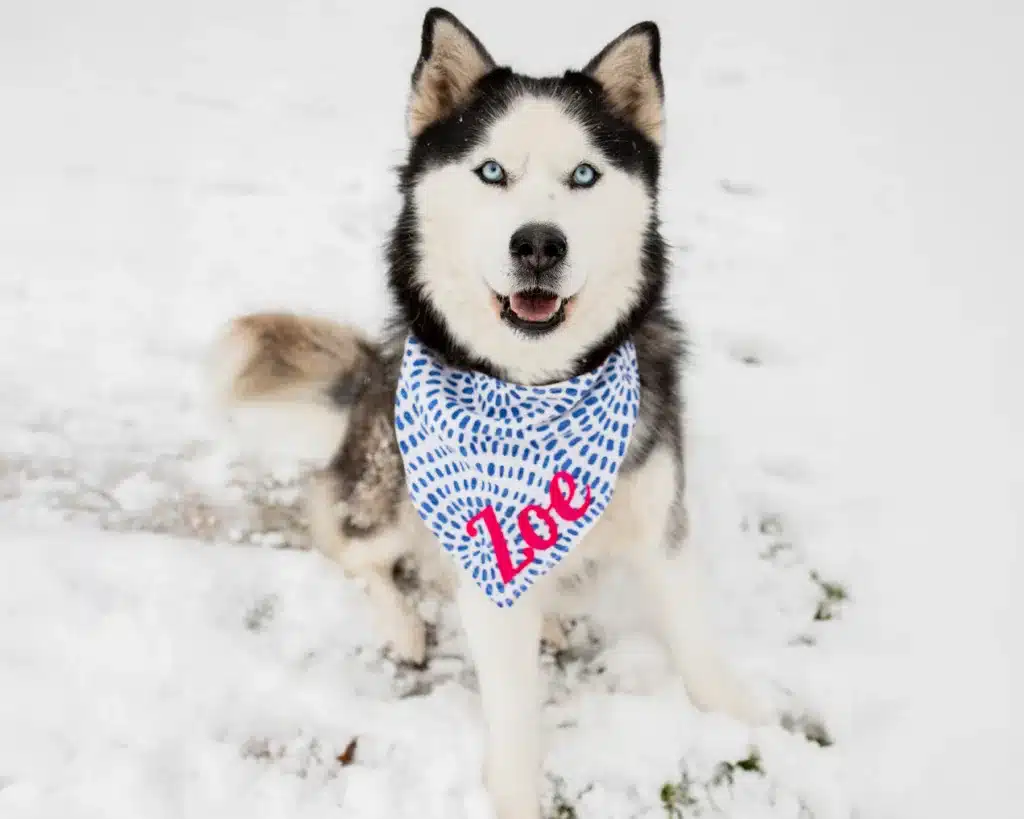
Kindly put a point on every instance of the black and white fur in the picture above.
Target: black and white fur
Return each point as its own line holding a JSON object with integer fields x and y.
{"x": 452, "y": 273}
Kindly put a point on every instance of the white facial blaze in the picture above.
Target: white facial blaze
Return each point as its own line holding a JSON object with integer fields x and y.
{"x": 466, "y": 226}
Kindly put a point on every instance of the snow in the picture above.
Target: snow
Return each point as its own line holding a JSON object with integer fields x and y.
{"x": 841, "y": 185}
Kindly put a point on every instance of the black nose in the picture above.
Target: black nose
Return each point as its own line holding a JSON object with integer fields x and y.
{"x": 538, "y": 247}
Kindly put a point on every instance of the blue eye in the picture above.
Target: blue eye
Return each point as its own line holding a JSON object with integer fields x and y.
{"x": 584, "y": 176}
{"x": 491, "y": 172}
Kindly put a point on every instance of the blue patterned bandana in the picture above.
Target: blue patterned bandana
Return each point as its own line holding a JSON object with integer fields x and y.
{"x": 510, "y": 478}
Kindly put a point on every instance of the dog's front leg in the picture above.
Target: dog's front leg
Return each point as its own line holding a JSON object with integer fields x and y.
{"x": 675, "y": 584}
{"x": 505, "y": 643}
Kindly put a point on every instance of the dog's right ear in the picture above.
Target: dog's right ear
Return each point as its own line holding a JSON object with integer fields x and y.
{"x": 451, "y": 62}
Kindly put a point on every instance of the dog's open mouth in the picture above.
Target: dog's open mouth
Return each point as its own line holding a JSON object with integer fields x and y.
{"x": 533, "y": 311}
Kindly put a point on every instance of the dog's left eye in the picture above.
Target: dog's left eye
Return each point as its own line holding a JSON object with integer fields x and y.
{"x": 491, "y": 172}
{"x": 584, "y": 176}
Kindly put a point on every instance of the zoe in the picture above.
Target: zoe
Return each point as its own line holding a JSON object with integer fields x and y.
{"x": 560, "y": 505}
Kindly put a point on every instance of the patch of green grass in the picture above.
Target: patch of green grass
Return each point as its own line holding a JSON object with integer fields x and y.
{"x": 563, "y": 810}
{"x": 678, "y": 798}
{"x": 833, "y": 596}
{"x": 561, "y": 807}
{"x": 725, "y": 772}
{"x": 689, "y": 797}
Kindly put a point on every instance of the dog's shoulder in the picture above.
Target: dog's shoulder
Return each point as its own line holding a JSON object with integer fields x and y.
{"x": 661, "y": 355}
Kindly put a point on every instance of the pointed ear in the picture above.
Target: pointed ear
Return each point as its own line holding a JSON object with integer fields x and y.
{"x": 629, "y": 71}
{"x": 451, "y": 61}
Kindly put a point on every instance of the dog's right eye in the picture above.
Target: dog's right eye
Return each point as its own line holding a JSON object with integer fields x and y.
{"x": 491, "y": 172}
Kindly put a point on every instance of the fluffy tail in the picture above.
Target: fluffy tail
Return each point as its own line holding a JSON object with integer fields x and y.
{"x": 286, "y": 381}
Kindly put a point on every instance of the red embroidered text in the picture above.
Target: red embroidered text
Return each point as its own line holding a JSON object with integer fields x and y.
{"x": 561, "y": 492}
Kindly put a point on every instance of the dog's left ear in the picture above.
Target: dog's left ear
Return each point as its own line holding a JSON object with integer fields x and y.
{"x": 451, "y": 62}
{"x": 629, "y": 71}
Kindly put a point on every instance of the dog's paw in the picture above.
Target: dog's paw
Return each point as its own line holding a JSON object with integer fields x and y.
{"x": 553, "y": 633}
{"x": 513, "y": 798}
{"x": 405, "y": 636}
{"x": 739, "y": 702}
{"x": 717, "y": 688}
{"x": 410, "y": 645}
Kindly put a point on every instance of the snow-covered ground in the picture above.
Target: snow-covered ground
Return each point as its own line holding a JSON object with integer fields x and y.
{"x": 842, "y": 189}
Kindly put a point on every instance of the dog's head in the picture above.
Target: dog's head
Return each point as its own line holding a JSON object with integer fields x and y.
{"x": 528, "y": 243}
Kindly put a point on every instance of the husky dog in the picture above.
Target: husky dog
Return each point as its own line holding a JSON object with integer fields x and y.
{"x": 528, "y": 249}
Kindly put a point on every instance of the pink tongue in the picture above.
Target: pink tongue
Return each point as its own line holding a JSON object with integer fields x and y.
{"x": 534, "y": 306}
